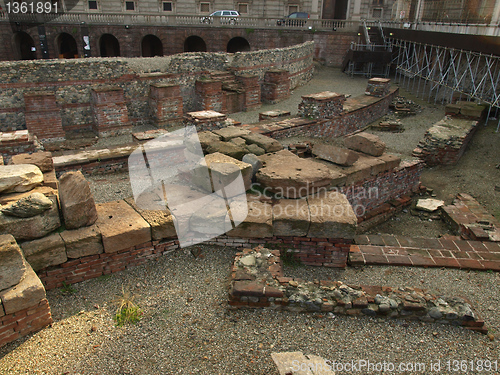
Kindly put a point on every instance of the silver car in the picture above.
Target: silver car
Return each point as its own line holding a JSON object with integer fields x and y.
{"x": 223, "y": 16}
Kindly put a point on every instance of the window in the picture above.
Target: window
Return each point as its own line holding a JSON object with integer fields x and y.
{"x": 167, "y": 7}
{"x": 92, "y": 5}
{"x": 243, "y": 8}
{"x": 377, "y": 13}
{"x": 129, "y": 5}
{"x": 205, "y": 7}
{"x": 293, "y": 8}
{"x": 378, "y": 3}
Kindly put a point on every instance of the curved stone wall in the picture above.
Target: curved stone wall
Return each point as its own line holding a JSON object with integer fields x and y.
{"x": 72, "y": 80}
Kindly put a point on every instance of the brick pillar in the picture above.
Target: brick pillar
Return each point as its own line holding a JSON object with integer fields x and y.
{"x": 321, "y": 105}
{"x": 165, "y": 104}
{"x": 378, "y": 87}
{"x": 210, "y": 95}
{"x": 43, "y": 115}
{"x": 250, "y": 83}
{"x": 276, "y": 86}
{"x": 109, "y": 111}
{"x": 205, "y": 120}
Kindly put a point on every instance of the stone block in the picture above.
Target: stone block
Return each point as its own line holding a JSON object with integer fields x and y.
{"x": 335, "y": 155}
{"x": 227, "y": 148}
{"x": 31, "y": 227}
{"x": 162, "y": 222}
{"x": 42, "y": 160}
{"x": 266, "y": 143}
{"x": 82, "y": 242}
{"x": 331, "y": 216}
{"x": 28, "y": 293}
{"x": 45, "y": 252}
{"x": 29, "y": 206}
{"x": 19, "y": 178}
{"x": 77, "y": 203}
{"x": 258, "y": 223}
{"x": 291, "y": 217}
{"x": 223, "y": 169}
{"x": 392, "y": 161}
{"x": 121, "y": 226}
{"x": 288, "y": 176}
{"x": 50, "y": 179}
{"x": 365, "y": 142}
{"x": 231, "y": 132}
{"x": 12, "y": 263}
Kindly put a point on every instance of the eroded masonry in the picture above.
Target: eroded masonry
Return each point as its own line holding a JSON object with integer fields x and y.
{"x": 308, "y": 201}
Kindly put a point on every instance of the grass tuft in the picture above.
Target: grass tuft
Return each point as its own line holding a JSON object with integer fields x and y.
{"x": 127, "y": 311}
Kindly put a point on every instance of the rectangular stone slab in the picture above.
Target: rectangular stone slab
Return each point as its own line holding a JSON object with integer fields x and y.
{"x": 121, "y": 226}
{"x": 161, "y": 222}
{"x": 258, "y": 222}
{"x": 27, "y": 293}
{"x": 82, "y": 242}
{"x": 291, "y": 217}
{"x": 331, "y": 216}
{"x": 12, "y": 263}
{"x": 45, "y": 252}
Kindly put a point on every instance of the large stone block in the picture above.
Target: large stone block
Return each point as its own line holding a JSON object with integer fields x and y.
{"x": 19, "y": 178}
{"x": 162, "y": 222}
{"x": 227, "y": 148}
{"x": 12, "y": 263}
{"x": 267, "y": 143}
{"x": 258, "y": 223}
{"x": 42, "y": 160}
{"x": 77, "y": 202}
{"x": 288, "y": 176}
{"x": 31, "y": 227}
{"x": 231, "y": 132}
{"x": 223, "y": 169}
{"x": 28, "y": 293}
{"x": 365, "y": 142}
{"x": 82, "y": 242}
{"x": 335, "y": 154}
{"x": 121, "y": 226}
{"x": 45, "y": 252}
{"x": 331, "y": 216}
{"x": 291, "y": 217}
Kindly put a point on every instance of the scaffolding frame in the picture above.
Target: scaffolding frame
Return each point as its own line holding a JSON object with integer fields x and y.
{"x": 442, "y": 73}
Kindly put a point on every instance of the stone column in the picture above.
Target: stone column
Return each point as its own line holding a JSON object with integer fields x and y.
{"x": 109, "y": 111}
{"x": 43, "y": 115}
{"x": 165, "y": 104}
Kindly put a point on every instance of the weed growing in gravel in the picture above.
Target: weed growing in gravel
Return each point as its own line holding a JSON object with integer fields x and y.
{"x": 289, "y": 260}
{"x": 127, "y": 311}
{"x": 67, "y": 289}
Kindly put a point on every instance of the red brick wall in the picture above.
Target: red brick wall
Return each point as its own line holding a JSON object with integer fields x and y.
{"x": 43, "y": 116}
{"x": 20, "y": 323}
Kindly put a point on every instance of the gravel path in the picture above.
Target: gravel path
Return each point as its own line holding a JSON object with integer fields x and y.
{"x": 187, "y": 328}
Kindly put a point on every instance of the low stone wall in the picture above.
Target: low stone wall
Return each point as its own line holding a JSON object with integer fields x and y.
{"x": 72, "y": 80}
{"x": 445, "y": 142}
{"x": 257, "y": 281}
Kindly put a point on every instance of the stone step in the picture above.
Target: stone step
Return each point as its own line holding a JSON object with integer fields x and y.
{"x": 424, "y": 252}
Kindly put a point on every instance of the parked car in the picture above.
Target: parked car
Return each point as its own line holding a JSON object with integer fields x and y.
{"x": 224, "y": 16}
{"x": 294, "y": 19}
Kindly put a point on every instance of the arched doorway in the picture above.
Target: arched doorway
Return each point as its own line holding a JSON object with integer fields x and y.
{"x": 109, "y": 46}
{"x": 238, "y": 44}
{"x": 151, "y": 46}
{"x": 194, "y": 44}
{"x": 25, "y": 46}
{"x": 66, "y": 46}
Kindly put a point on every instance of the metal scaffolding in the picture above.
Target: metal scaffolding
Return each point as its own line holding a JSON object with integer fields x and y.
{"x": 446, "y": 74}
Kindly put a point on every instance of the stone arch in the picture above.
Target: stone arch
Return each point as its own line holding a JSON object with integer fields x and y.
{"x": 66, "y": 46}
{"x": 109, "y": 46}
{"x": 238, "y": 44}
{"x": 24, "y": 46}
{"x": 195, "y": 43}
{"x": 151, "y": 46}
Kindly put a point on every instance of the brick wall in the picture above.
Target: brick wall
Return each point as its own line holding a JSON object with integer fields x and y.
{"x": 43, "y": 115}
{"x": 20, "y": 323}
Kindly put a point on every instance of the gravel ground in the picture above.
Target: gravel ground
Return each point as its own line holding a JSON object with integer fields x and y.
{"x": 188, "y": 329}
